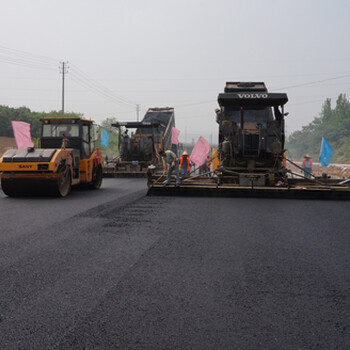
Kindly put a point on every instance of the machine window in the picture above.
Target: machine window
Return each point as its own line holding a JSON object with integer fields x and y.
{"x": 86, "y": 139}
{"x": 54, "y": 130}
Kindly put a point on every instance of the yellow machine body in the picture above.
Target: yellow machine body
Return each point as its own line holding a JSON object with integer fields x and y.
{"x": 51, "y": 171}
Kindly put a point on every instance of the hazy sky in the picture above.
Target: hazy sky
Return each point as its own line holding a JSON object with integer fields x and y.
{"x": 179, "y": 53}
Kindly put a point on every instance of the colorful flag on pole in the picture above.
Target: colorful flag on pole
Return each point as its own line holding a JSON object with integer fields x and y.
{"x": 104, "y": 138}
{"x": 21, "y": 130}
{"x": 175, "y": 136}
{"x": 200, "y": 151}
{"x": 325, "y": 152}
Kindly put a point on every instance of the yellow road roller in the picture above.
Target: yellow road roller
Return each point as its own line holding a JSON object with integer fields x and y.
{"x": 67, "y": 157}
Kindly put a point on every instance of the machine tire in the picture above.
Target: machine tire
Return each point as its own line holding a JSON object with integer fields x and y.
{"x": 96, "y": 177}
{"x": 64, "y": 182}
{"x": 6, "y": 188}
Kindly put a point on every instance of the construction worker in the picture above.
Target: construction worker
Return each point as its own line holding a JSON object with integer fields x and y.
{"x": 208, "y": 164}
{"x": 307, "y": 166}
{"x": 170, "y": 160}
{"x": 205, "y": 167}
{"x": 125, "y": 145}
{"x": 184, "y": 164}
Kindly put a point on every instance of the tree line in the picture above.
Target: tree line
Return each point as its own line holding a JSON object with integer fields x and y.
{"x": 333, "y": 124}
{"x": 24, "y": 114}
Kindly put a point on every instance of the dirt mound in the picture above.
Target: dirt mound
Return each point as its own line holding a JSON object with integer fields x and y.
{"x": 6, "y": 143}
{"x": 335, "y": 171}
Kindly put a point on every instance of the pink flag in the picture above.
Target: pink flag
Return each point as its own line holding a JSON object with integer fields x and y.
{"x": 175, "y": 136}
{"x": 200, "y": 151}
{"x": 22, "y": 134}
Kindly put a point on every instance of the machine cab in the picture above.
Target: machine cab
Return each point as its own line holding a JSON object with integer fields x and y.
{"x": 79, "y": 134}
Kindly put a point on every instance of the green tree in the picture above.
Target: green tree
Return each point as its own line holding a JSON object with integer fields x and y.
{"x": 24, "y": 114}
{"x": 112, "y": 150}
{"x": 333, "y": 124}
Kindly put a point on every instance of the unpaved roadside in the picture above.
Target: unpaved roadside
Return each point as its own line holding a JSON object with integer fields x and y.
{"x": 335, "y": 171}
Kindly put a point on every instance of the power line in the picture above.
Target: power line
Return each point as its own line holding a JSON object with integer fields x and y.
{"x": 98, "y": 86}
{"x": 313, "y": 82}
{"x": 203, "y": 116}
{"x": 26, "y": 59}
{"x": 194, "y": 104}
{"x": 24, "y": 63}
{"x": 30, "y": 60}
{"x": 25, "y": 54}
{"x": 93, "y": 88}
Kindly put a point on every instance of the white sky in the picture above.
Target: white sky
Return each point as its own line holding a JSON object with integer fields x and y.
{"x": 159, "y": 53}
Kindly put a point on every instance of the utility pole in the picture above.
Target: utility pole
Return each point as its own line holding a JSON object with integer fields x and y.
{"x": 63, "y": 71}
{"x": 137, "y": 111}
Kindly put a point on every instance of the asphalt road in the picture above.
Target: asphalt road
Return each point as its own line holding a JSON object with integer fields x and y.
{"x": 114, "y": 269}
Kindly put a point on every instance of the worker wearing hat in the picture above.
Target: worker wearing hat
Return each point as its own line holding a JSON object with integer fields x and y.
{"x": 184, "y": 164}
{"x": 307, "y": 166}
{"x": 170, "y": 160}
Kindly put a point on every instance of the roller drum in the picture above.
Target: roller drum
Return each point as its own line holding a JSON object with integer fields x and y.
{"x": 49, "y": 185}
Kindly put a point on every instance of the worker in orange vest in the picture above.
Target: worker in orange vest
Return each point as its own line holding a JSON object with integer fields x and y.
{"x": 307, "y": 166}
{"x": 208, "y": 164}
{"x": 184, "y": 164}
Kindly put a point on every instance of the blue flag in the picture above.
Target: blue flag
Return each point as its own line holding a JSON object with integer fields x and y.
{"x": 325, "y": 153}
{"x": 104, "y": 138}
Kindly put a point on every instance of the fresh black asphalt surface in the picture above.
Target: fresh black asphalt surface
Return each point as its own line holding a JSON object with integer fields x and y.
{"x": 115, "y": 269}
